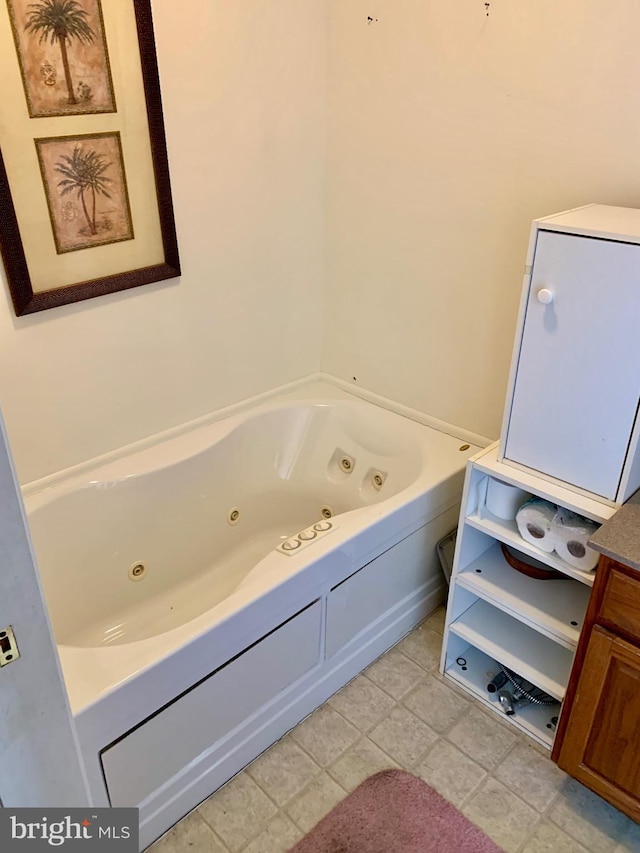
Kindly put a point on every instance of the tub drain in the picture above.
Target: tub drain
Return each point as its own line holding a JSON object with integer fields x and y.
{"x": 233, "y": 516}
{"x": 137, "y": 571}
{"x": 326, "y": 512}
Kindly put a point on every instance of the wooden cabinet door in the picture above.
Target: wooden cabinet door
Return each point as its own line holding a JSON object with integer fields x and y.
{"x": 601, "y": 744}
{"x": 576, "y": 388}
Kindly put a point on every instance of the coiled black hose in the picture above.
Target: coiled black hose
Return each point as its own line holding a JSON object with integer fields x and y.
{"x": 537, "y": 698}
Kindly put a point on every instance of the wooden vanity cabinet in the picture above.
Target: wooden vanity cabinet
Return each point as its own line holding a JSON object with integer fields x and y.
{"x": 598, "y": 738}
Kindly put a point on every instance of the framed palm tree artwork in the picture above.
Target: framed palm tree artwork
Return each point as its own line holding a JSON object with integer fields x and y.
{"x": 63, "y": 56}
{"x": 86, "y": 190}
{"x": 85, "y": 196}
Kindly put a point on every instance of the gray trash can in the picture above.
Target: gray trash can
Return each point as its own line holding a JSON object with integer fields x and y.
{"x": 446, "y": 548}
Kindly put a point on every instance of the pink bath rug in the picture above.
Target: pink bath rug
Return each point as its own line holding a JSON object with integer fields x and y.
{"x": 395, "y": 812}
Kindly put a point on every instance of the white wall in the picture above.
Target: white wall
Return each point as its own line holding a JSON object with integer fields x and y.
{"x": 243, "y": 87}
{"x": 449, "y": 131}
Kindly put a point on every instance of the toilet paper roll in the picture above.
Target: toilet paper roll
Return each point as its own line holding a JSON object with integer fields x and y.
{"x": 535, "y": 523}
{"x": 504, "y": 500}
{"x": 571, "y": 533}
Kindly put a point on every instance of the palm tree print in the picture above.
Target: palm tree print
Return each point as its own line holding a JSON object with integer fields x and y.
{"x": 83, "y": 172}
{"x": 60, "y": 21}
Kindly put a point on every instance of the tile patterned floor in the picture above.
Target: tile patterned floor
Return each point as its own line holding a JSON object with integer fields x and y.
{"x": 401, "y": 713}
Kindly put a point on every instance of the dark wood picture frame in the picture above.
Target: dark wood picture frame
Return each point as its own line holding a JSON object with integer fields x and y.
{"x": 25, "y": 300}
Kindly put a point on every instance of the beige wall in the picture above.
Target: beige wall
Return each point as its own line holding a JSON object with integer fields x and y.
{"x": 449, "y": 131}
{"x": 243, "y": 85}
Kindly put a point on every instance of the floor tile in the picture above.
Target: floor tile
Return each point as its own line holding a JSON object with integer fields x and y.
{"x": 548, "y": 838}
{"x": 358, "y": 763}
{"x": 452, "y": 773}
{"x": 502, "y": 815}
{"x": 238, "y": 811}
{"x": 484, "y": 739}
{"x": 395, "y": 673}
{"x": 325, "y": 735}
{"x": 588, "y": 818}
{"x": 314, "y": 803}
{"x": 411, "y": 716}
{"x": 279, "y": 837}
{"x": 530, "y": 775}
{"x": 362, "y": 703}
{"x": 283, "y": 770}
{"x": 436, "y": 704}
{"x": 191, "y": 833}
{"x": 436, "y": 620}
{"x": 403, "y": 736}
{"x": 423, "y": 646}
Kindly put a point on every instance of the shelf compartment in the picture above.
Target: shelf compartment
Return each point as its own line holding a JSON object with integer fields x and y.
{"x": 534, "y": 720}
{"x": 517, "y": 646}
{"x": 555, "y": 608}
{"x": 507, "y": 532}
{"x": 560, "y": 493}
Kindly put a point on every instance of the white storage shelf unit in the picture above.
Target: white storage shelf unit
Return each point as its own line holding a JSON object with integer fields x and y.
{"x": 573, "y": 397}
{"x": 497, "y": 614}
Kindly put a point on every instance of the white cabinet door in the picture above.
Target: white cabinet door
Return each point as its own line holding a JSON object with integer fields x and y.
{"x": 578, "y": 377}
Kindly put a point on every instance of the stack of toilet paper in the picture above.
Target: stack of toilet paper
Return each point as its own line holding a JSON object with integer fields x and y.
{"x": 553, "y": 528}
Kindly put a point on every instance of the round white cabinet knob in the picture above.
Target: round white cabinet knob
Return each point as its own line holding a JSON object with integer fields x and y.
{"x": 545, "y": 295}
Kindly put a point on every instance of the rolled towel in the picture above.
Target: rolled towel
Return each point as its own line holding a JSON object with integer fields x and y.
{"x": 535, "y": 520}
{"x": 571, "y": 533}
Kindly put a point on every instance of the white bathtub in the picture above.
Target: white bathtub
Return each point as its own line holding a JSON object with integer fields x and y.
{"x": 190, "y": 637}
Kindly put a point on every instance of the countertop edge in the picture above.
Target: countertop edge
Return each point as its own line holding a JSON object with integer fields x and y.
{"x": 619, "y": 538}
